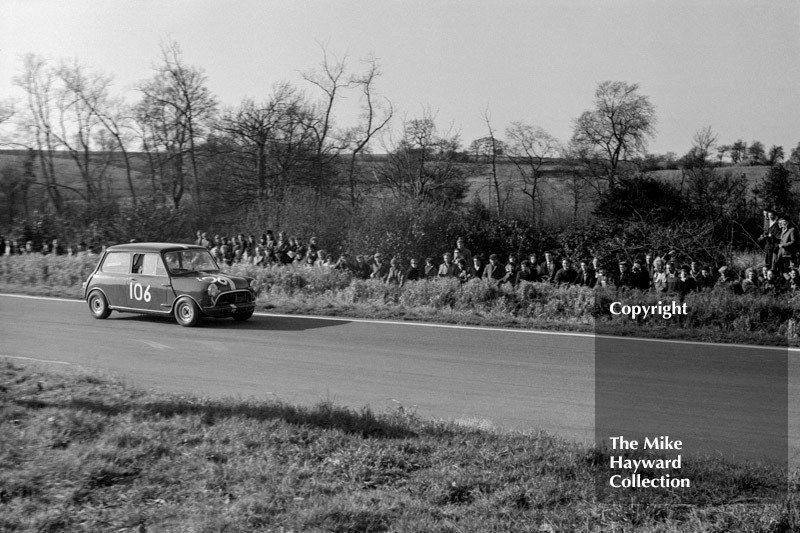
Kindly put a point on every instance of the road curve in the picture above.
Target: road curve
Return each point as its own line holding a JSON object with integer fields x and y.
{"x": 512, "y": 378}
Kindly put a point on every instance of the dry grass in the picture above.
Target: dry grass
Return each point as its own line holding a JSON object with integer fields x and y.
{"x": 85, "y": 453}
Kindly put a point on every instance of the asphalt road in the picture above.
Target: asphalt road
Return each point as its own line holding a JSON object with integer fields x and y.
{"x": 514, "y": 379}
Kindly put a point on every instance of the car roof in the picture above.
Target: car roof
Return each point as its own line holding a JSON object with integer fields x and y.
{"x": 153, "y": 247}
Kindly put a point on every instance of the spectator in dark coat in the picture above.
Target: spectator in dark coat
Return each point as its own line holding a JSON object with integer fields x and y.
{"x": 686, "y": 283}
{"x": 586, "y": 275}
{"x": 770, "y": 237}
{"x": 477, "y": 266}
{"x": 566, "y": 275}
{"x": 548, "y": 269}
{"x": 787, "y": 245}
{"x": 525, "y": 273}
{"x": 625, "y": 278}
{"x": 494, "y": 270}
{"x": 413, "y": 273}
{"x": 641, "y": 279}
{"x": 431, "y": 270}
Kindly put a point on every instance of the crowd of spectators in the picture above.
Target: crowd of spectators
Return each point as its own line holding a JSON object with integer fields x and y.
{"x": 47, "y": 247}
{"x": 662, "y": 273}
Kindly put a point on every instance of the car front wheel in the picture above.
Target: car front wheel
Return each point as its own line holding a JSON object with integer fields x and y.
{"x": 98, "y": 305}
{"x": 187, "y": 313}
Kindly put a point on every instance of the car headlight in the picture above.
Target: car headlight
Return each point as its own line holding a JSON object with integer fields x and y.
{"x": 213, "y": 290}
{"x": 254, "y": 284}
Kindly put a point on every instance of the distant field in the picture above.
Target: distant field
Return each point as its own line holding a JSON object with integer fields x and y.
{"x": 557, "y": 199}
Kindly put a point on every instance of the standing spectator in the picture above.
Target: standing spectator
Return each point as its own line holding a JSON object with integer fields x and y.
{"x": 787, "y": 245}
{"x": 448, "y": 269}
{"x": 494, "y": 270}
{"x": 58, "y": 248}
{"x": 463, "y": 250}
{"x": 770, "y": 237}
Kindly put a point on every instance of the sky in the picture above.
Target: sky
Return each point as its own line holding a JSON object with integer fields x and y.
{"x": 733, "y": 65}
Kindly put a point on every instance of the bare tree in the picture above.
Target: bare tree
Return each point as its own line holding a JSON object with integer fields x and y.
{"x": 423, "y": 165}
{"x": 617, "y": 129}
{"x": 375, "y": 115}
{"x": 704, "y": 142}
{"x": 176, "y": 111}
{"x": 36, "y": 126}
{"x": 330, "y": 78}
{"x": 528, "y": 148}
{"x": 268, "y": 146}
{"x": 91, "y": 92}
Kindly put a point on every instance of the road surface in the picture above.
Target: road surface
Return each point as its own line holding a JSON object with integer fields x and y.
{"x": 512, "y": 379}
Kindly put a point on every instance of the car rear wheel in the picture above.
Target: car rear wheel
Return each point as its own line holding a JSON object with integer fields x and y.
{"x": 187, "y": 313}
{"x": 98, "y": 305}
{"x": 242, "y": 316}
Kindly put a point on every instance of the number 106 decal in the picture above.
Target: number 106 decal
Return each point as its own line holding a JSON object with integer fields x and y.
{"x": 137, "y": 292}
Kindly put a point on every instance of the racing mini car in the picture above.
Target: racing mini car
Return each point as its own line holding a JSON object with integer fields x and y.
{"x": 163, "y": 279}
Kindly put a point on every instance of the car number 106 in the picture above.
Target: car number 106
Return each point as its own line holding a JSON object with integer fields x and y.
{"x": 137, "y": 292}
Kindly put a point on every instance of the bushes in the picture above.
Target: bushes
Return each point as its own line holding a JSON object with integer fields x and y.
{"x": 731, "y": 316}
{"x": 718, "y": 309}
{"x": 54, "y": 271}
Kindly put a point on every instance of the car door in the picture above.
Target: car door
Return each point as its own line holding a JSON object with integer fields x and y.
{"x": 149, "y": 287}
{"x": 112, "y": 277}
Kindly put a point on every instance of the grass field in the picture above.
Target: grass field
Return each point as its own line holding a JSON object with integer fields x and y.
{"x": 85, "y": 452}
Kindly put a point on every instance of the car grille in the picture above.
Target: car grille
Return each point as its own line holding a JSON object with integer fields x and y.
{"x": 235, "y": 297}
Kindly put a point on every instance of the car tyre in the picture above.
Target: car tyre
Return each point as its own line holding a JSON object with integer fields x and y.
{"x": 187, "y": 314}
{"x": 98, "y": 305}
{"x": 242, "y": 316}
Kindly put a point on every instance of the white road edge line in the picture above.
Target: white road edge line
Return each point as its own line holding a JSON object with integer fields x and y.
{"x": 34, "y": 359}
{"x": 475, "y": 328}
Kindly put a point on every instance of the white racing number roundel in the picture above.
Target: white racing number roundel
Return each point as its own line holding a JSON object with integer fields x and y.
{"x": 218, "y": 279}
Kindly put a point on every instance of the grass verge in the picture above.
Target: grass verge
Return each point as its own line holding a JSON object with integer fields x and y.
{"x": 82, "y": 452}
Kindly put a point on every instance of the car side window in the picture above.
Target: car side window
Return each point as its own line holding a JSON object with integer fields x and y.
{"x": 116, "y": 263}
{"x": 153, "y": 266}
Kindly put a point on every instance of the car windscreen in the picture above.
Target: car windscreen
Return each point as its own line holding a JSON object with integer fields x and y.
{"x": 190, "y": 261}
